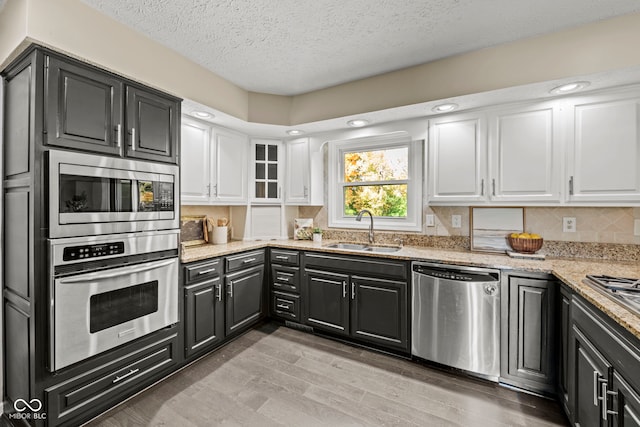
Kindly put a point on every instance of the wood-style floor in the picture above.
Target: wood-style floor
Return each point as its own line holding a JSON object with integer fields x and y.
{"x": 275, "y": 376}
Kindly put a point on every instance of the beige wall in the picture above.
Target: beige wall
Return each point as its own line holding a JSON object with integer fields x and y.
{"x": 73, "y": 27}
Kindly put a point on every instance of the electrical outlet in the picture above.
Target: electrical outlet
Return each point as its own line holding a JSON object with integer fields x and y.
{"x": 569, "y": 224}
{"x": 431, "y": 220}
{"x": 636, "y": 227}
{"x": 456, "y": 221}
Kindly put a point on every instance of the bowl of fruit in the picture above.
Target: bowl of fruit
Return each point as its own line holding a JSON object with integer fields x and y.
{"x": 526, "y": 243}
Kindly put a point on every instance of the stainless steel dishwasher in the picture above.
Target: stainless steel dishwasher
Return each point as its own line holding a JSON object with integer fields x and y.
{"x": 456, "y": 317}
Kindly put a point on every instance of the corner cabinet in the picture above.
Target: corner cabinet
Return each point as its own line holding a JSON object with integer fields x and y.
{"x": 267, "y": 171}
{"x": 529, "y": 341}
{"x": 214, "y": 165}
{"x": 304, "y": 180}
{"x": 604, "y": 148}
{"x": 90, "y": 109}
{"x": 360, "y": 298}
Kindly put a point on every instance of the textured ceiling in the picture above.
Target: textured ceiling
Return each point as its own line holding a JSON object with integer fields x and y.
{"x": 289, "y": 47}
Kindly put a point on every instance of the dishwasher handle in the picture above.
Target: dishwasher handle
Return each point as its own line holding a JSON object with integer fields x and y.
{"x": 459, "y": 275}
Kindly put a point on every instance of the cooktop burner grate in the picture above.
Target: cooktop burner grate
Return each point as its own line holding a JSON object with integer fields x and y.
{"x": 616, "y": 283}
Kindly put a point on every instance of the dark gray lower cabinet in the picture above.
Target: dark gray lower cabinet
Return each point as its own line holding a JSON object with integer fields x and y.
{"x": 604, "y": 370}
{"x": 529, "y": 335}
{"x": 327, "y": 302}
{"x": 244, "y": 300}
{"x": 564, "y": 316}
{"x": 351, "y": 302}
{"x": 204, "y": 315}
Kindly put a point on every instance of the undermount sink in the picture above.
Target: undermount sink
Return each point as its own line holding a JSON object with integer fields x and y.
{"x": 363, "y": 247}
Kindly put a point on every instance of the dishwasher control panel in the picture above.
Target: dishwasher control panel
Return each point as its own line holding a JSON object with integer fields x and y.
{"x": 450, "y": 273}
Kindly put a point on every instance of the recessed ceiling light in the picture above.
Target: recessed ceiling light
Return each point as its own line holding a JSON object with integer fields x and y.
{"x": 445, "y": 107}
{"x": 202, "y": 114}
{"x": 358, "y": 123}
{"x": 294, "y": 132}
{"x": 569, "y": 87}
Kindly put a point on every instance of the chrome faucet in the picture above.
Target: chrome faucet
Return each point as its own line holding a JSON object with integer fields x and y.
{"x": 359, "y": 218}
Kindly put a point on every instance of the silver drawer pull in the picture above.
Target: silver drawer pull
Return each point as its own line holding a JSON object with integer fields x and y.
{"x": 128, "y": 374}
{"x": 284, "y": 279}
{"x": 282, "y": 257}
{"x": 211, "y": 270}
{"x": 246, "y": 261}
{"x": 284, "y": 306}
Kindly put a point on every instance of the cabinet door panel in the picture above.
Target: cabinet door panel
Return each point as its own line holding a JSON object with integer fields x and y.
{"x": 456, "y": 150}
{"x": 195, "y": 162}
{"x": 379, "y": 311}
{"x": 626, "y": 403}
{"x": 589, "y": 370}
{"x": 524, "y": 155}
{"x": 244, "y": 298}
{"x": 84, "y": 108}
{"x": 152, "y": 123}
{"x": 297, "y": 172}
{"x": 605, "y": 162}
{"x": 232, "y": 156}
{"x": 327, "y": 301}
{"x": 531, "y": 352}
{"x": 204, "y": 316}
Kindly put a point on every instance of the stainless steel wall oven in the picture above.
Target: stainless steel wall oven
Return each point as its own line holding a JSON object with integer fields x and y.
{"x": 91, "y": 195}
{"x": 108, "y": 290}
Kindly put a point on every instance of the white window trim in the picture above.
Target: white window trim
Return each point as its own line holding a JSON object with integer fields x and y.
{"x": 413, "y": 221}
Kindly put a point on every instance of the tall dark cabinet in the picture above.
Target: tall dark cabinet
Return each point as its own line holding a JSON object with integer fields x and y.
{"x": 52, "y": 101}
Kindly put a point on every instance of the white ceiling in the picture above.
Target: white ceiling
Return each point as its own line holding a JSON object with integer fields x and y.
{"x": 289, "y": 47}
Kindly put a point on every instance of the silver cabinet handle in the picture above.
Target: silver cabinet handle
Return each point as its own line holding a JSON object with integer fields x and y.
{"x": 230, "y": 289}
{"x": 128, "y": 374}
{"x": 133, "y": 139}
{"x": 596, "y": 377}
{"x": 603, "y": 388}
{"x": 219, "y": 292}
{"x": 215, "y": 190}
{"x": 282, "y": 279}
{"x": 493, "y": 186}
{"x": 482, "y": 187}
{"x": 118, "y": 136}
{"x": 353, "y": 290}
{"x": 344, "y": 289}
{"x": 211, "y": 270}
{"x": 284, "y": 306}
{"x": 571, "y": 185}
{"x": 247, "y": 261}
{"x": 282, "y": 257}
{"x": 209, "y": 190}
{"x": 306, "y": 191}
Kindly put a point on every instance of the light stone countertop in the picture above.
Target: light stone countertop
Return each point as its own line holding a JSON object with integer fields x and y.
{"x": 570, "y": 271}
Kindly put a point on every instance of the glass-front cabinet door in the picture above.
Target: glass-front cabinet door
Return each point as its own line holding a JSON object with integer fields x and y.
{"x": 267, "y": 170}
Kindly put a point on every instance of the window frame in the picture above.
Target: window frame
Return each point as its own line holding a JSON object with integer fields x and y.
{"x": 414, "y": 181}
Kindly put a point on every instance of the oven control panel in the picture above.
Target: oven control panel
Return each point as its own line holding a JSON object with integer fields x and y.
{"x": 72, "y": 253}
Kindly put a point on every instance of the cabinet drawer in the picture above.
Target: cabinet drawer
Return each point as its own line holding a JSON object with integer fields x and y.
{"x": 245, "y": 260}
{"x": 202, "y": 271}
{"x": 285, "y": 278}
{"x": 88, "y": 395}
{"x": 284, "y": 257}
{"x": 286, "y": 306}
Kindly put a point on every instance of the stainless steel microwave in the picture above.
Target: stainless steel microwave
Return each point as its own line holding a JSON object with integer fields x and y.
{"x": 93, "y": 194}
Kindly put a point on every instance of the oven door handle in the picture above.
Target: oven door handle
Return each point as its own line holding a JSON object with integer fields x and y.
{"x": 117, "y": 272}
{"x": 135, "y": 195}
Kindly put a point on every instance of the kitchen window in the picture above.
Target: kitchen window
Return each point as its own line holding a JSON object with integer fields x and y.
{"x": 382, "y": 174}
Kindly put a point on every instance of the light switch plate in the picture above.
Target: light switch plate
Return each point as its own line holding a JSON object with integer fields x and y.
{"x": 456, "y": 221}
{"x": 431, "y": 220}
{"x": 636, "y": 227}
{"x": 569, "y": 224}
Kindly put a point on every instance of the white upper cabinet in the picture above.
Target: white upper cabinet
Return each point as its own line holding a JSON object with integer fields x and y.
{"x": 232, "y": 167}
{"x": 457, "y": 152}
{"x": 604, "y": 144}
{"x": 267, "y": 171}
{"x": 525, "y": 154}
{"x": 195, "y": 162}
{"x": 214, "y": 165}
{"x": 303, "y": 174}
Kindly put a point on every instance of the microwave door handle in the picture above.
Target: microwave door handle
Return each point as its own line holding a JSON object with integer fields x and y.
{"x": 135, "y": 195}
{"x": 124, "y": 271}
